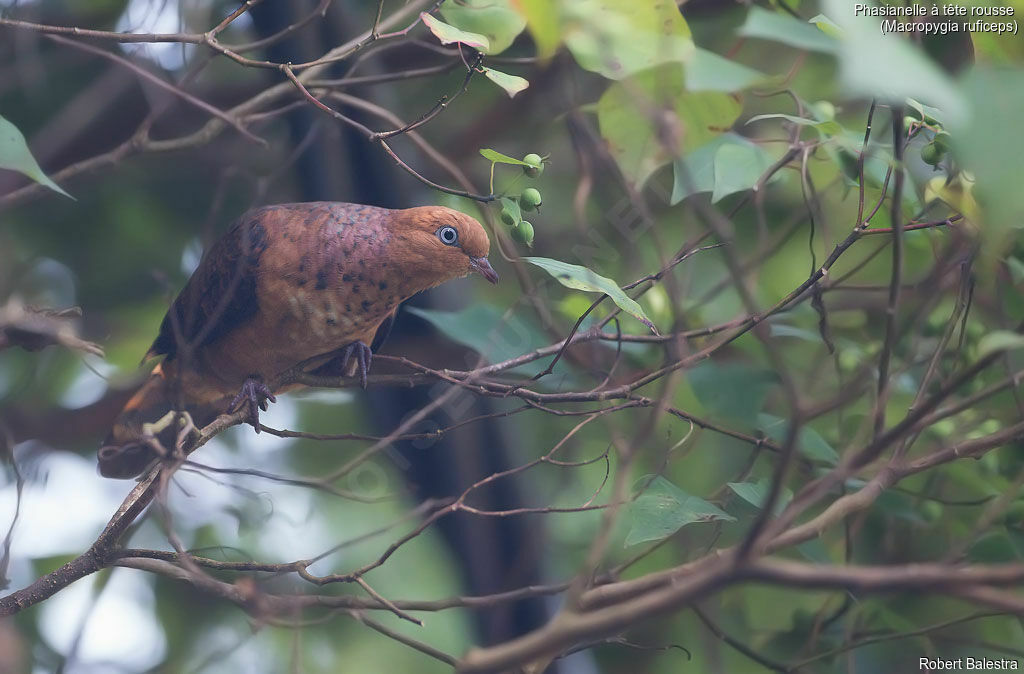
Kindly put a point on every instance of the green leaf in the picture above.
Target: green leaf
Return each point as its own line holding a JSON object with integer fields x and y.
{"x": 580, "y": 278}
{"x": 448, "y": 34}
{"x": 876, "y": 165}
{"x": 15, "y": 156}
{"x": 496, "y": 20}
{"x": 826, "y": 26}
{"x": 512, "y": 84}
{"x": 828, "y": 127}
{"x": 499, "y": 158}
{"x": 809, "y": 441}
{"x": 708, "y": 71}
{"x": 738, "y": 167}
{"x": 513, "y": 206}
{"x": 875, "y": 169}
{"x": 42, "y": 566}
{"x": 815, "y": 447}
{"x": 784, "y": 330}
{"x": 783, "y": 28}
{"x": 543, "y": 24}
{"x": 699, "y": 165}
{"x": 815, "y": 551}
{"x": 1016, "y": 268}
{"x": 485, "y": 329}
{"x": 663, "y": 509}
{"x": 994, "y": 547}
{"x": 623, "y": 114}
{"x": 866, "y": 59}
{"x": 618, "y": 38}
{"x": 695, "y": 173}
{"x": 899, "y": 506}
{"x": 999, "y": 340}
{"x": 755, "y": 493}
{"x": 924, "y": 110}
{"x": 988, "y": 149}
{"x": 734, "y": 391}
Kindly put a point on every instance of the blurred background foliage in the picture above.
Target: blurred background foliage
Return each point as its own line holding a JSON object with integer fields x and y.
{"x": 639, "y": 109}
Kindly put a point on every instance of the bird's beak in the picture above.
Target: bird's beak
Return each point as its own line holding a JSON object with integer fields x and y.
{"x": 481, "y": 265}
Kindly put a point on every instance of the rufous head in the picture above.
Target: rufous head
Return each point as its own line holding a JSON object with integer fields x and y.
{"x": 435, "y": 244}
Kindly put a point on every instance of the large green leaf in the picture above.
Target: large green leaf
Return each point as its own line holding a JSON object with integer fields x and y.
{"x": 618, "y": 38}
{"x": 738, "y": 168}
{"x": 876, "y": 165}
{"x": 866, "y": 65}
{"x": 996, "y": 547}
{"x": 15, "y": 156}
{"x": 544, "y": 26}
{"x": 828, "y": 126}
{"x": 581, "y": 278}
{"x": 990, "y": 145}
{"x": 815, "y": 551}
{"x": 486, "y": 330}
{"x": 624, "y": 116}
{"x": 494, "y": 19}
{"x": 1000, "y": 340}
{"x": 695, "y": 173}
{"x": 734, "y": 391}
{"x": 783, "y": 28}
{"x": 708, "y": 71}
{"x": 755, "y": 493}
{"x": 866, "y": 56}
{"x": 809, "y": 441}
{"x": 663, "y": 509}
{"x": 899, "y": 506}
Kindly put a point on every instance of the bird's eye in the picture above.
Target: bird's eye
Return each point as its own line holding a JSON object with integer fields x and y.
{"x": 449, "y": 235}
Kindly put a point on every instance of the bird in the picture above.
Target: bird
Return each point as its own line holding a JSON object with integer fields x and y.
{"x": 312, "y": 283}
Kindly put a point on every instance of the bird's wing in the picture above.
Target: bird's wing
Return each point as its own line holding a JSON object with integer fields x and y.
{"x": 383, "y": 330}
{"x": 221, "y": 293}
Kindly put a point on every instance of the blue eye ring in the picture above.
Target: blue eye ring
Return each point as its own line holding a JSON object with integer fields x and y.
{"x": 448, "y": 235}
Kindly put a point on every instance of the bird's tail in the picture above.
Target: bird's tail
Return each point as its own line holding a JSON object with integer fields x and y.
{"x": 138, "y": 438}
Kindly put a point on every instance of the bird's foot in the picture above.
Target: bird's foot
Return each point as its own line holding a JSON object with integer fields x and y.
{"x": 339, "y": 365}
{"x": 363, "y": 355}
{"x": 254, "y": 394}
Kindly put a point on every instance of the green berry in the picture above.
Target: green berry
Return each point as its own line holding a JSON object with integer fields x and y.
{"x": 536, "y": 165}
{"x": 931, "y": 511}
{"x": 943, "y": 428}
{"x": 932, "y": 154}
{"x": 523, "y": 233}
{"x": 943, "y": 140}
{"x": 850, "y": 359}
{"x": 826, "y": 110}
{"x": 910, "y": 124}
{"x": 508, "y": 217}
{"x": 530, "y": 199}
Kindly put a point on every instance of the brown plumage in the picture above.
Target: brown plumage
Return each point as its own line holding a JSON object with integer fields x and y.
{"x": 284, "y": 285}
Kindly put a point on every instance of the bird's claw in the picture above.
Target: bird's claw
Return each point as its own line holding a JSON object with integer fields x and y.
{"x": 255, "y": 395}
{"x": 363, "y": 355}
